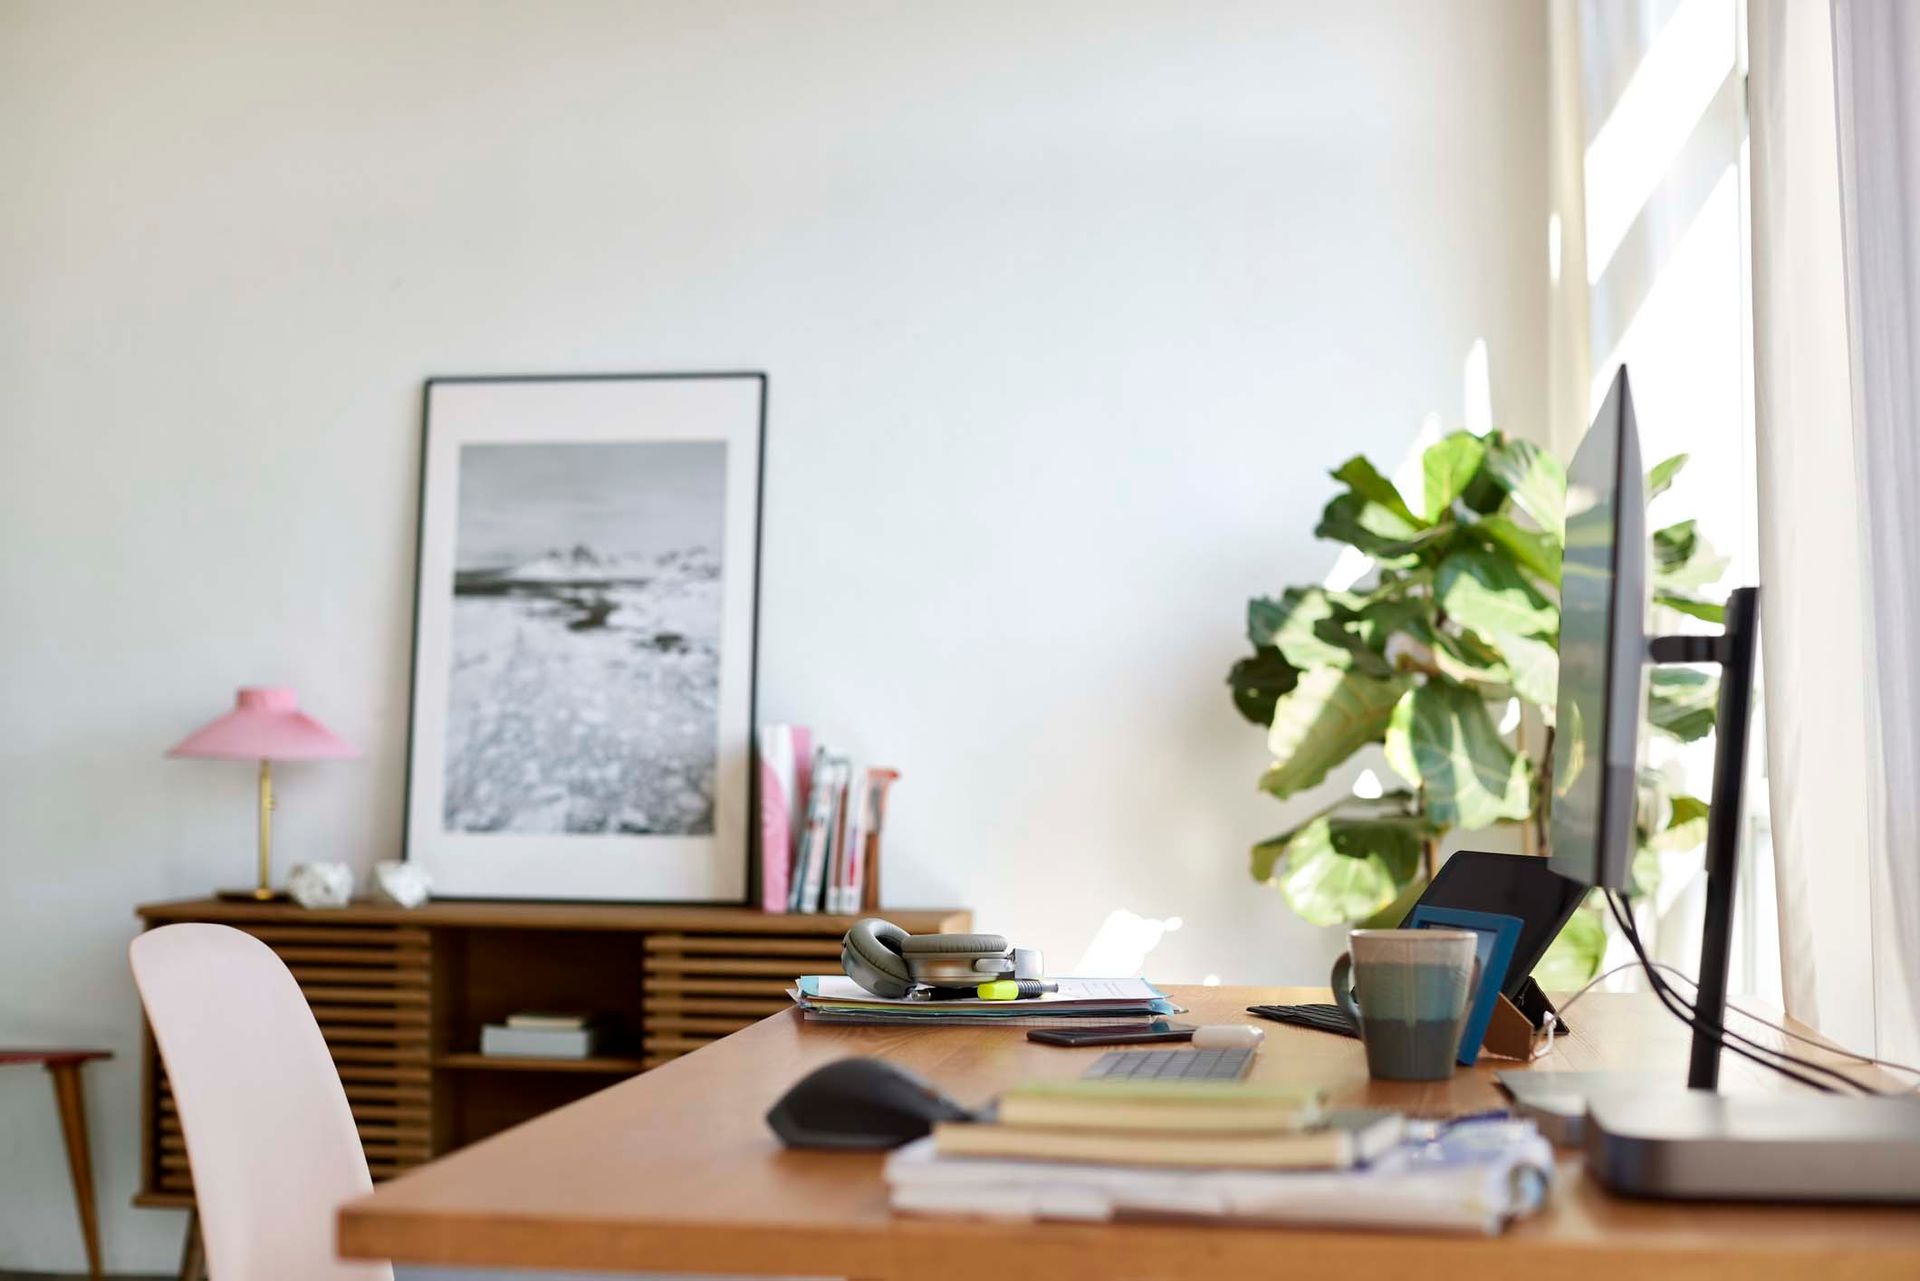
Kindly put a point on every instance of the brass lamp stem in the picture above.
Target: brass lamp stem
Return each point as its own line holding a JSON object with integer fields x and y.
{"x": 265, "y": 891}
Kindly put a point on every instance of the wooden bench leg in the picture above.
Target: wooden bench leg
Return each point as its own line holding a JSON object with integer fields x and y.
{"x": 73, "y": 1124}
{"x": 193, "y": 1251}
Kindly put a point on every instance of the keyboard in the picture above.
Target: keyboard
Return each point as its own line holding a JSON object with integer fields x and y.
{"x": 1170, "y": 1065}
{"x": 1321, "y": 1018}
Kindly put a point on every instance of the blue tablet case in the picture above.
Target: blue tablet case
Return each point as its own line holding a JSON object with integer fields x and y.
{"x": 1498, "y": 935}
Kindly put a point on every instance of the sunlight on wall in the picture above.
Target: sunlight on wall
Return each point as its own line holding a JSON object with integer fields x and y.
{"x": 1121, "y": 945}
{"x": 1656, "y": 113}
{"x": 1478, "y": 390}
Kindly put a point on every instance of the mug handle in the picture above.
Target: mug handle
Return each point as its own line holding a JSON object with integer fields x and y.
{"x": 1342, "y": 981}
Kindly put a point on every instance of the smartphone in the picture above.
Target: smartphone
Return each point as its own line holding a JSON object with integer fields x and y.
{"x": 1112, "y": 1035}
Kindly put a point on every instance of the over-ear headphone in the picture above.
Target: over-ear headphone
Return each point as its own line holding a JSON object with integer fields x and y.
{"x": 887, "y": 961}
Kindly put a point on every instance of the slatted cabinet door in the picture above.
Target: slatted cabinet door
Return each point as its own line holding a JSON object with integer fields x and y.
{"x": 368, "y": 985}
{"x": 700, "y": 987}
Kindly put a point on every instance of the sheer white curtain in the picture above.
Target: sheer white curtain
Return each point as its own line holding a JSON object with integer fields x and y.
{"x": 1835, "y": 101}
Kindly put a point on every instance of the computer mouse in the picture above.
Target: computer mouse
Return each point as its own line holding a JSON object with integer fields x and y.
{"x": 860, "y": 1104}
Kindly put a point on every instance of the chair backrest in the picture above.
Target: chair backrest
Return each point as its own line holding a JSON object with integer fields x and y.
{"x": 269, "y": 1134}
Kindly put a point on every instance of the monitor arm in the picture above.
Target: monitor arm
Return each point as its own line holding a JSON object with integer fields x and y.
{"x": 1733, "y": 650}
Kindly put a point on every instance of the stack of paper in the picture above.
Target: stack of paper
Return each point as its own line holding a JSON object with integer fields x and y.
{"x": 1472, "y": 1177}
{"x": 835, "y": 998}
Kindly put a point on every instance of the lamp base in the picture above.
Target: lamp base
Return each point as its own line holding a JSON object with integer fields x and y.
{"x": 251, "y": 896}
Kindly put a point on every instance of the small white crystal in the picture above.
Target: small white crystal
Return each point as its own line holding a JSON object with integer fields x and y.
{"x": 402, "y": 884}
{"x": 321, "y": 884}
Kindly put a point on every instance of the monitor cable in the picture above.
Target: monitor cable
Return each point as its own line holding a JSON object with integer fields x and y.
{"x": 1744, "y": 1046}
{"x": 1674, "y": 972}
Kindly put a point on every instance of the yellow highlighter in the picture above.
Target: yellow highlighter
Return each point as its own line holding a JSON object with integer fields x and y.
{"x": 1013, "y": 989}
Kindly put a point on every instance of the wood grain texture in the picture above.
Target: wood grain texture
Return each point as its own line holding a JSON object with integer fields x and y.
{"x": 675, "y": 1170}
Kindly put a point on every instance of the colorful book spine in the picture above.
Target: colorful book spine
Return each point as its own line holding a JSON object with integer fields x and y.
{"x": 779, "y": 816}
{"x": 809, "y": 878}
{"x": 868, "y": 898}
{"x": 802, "y": 788}
{"x": 853, "y": 845}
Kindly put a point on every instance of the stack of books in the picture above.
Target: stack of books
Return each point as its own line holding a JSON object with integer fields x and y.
{"x": 820, "y": 823}
{"x": 1098, "y": 1150}
{"x": 1181, "y": 1124}
{"x": 540, "y": 1035}
{"x": 1076, "y": 1003}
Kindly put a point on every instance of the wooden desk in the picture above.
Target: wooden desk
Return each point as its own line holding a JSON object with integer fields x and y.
{"x": 676, "y": 1171}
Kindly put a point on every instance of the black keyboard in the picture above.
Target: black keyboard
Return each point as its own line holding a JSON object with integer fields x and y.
{"x": 1321, "y": 1018}
{"x": 1170, "y": 1065}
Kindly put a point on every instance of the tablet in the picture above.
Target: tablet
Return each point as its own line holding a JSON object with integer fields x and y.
{"x": 1519, "y": 885}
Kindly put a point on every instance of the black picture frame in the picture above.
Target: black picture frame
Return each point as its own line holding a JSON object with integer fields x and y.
{"x": 734, "y": 849}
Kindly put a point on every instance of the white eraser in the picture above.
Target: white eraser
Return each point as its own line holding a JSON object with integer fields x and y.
{"x": 1228, "y": 1036}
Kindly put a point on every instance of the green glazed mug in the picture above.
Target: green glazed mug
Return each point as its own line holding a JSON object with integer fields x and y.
{"x": 1408, "y": 991}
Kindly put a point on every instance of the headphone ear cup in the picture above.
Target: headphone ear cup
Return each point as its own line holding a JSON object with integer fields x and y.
{"x": 870, "y": 955}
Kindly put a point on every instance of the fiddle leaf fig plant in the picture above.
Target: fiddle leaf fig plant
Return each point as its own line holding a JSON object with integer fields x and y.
{"x": 1431, "y": 663}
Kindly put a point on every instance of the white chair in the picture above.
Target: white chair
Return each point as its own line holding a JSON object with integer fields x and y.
{"x": 269, "y": 1134}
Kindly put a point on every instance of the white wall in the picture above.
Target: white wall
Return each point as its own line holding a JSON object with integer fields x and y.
{"x": 1067, "y": 308}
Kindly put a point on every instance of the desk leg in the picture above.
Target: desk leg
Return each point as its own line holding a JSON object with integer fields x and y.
{"x": 193, "y": 1251}
{"x": 73, "y": 1125}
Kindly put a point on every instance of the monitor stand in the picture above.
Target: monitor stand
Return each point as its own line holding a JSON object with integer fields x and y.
{"x": 1648, "y": 1139}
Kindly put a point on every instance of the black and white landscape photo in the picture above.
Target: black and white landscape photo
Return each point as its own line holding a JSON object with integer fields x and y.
{"x": 584, "y": 638}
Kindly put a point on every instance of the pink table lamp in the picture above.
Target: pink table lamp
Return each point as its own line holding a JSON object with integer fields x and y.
{"x": 265, "y": 725}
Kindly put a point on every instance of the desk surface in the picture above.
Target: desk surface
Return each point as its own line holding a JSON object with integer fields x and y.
{"x": 675, "y": 1171}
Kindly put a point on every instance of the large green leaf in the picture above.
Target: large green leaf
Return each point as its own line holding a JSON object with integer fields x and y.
{"x": 1702, "y": 609}
{"x": 1394, "y": 914}
{"x": 1373, "y": 529}
{"x": 1686, "y": 827}
{"x": 1441, "y": 738}
{"x": 1467, "y": 658}
{"x": 1383, "y": 615}
{"x": 1574, "y": 956}
{"x": 1536, "y": 552}
{"x": 1447, "y": 466}
{"x": 1486, "y": 593}
{"x": 1364, "y": 479}
{"x": 1683, "y": 559}
{"x": 1325, "y": 887}
{"x": 1335, "y": 869}
{"x": 1351, "y": 646}
{"x": 1259, "y": 680}
{"x": 1287, "y": 624}
{"x": 1675, "y": 545}
{"x": 1535, "y": 668}
{"x": 1535, "y": 478}
{"x": 1323, "y": 720}
{"x": 1682, "y": 702}
{"x": 1660, "y": 475}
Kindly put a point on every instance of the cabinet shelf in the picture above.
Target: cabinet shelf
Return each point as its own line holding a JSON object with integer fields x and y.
{"x": 605, "y": 1064}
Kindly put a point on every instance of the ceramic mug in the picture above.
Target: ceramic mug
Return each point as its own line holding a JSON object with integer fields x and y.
{"x": 1408, "y": 991}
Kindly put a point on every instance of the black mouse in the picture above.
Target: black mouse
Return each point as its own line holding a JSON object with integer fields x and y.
{"x": 860, "y": 1104}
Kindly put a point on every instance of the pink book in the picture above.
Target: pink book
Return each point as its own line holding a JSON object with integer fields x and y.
{"x": 802, "y": 788}
{"x": 777, "y": 826}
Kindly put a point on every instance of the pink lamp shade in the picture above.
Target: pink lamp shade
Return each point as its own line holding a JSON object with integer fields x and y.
{"x": 266, "y": 724}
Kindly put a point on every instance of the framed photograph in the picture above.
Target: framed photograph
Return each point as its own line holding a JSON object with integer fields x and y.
{"x": 583, "y": 638}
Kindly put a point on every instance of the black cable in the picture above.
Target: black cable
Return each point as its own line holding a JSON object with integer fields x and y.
{"x": 1720, "y": 1030}
{"x": 1680, "y": 1008}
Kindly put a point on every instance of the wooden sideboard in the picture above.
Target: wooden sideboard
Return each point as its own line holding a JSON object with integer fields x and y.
{"x": 401, "y": 996}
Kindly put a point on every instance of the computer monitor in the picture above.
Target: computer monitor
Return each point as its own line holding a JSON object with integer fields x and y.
{"x": 1602, "y": 707}
{"x": 1603, "y": 651}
